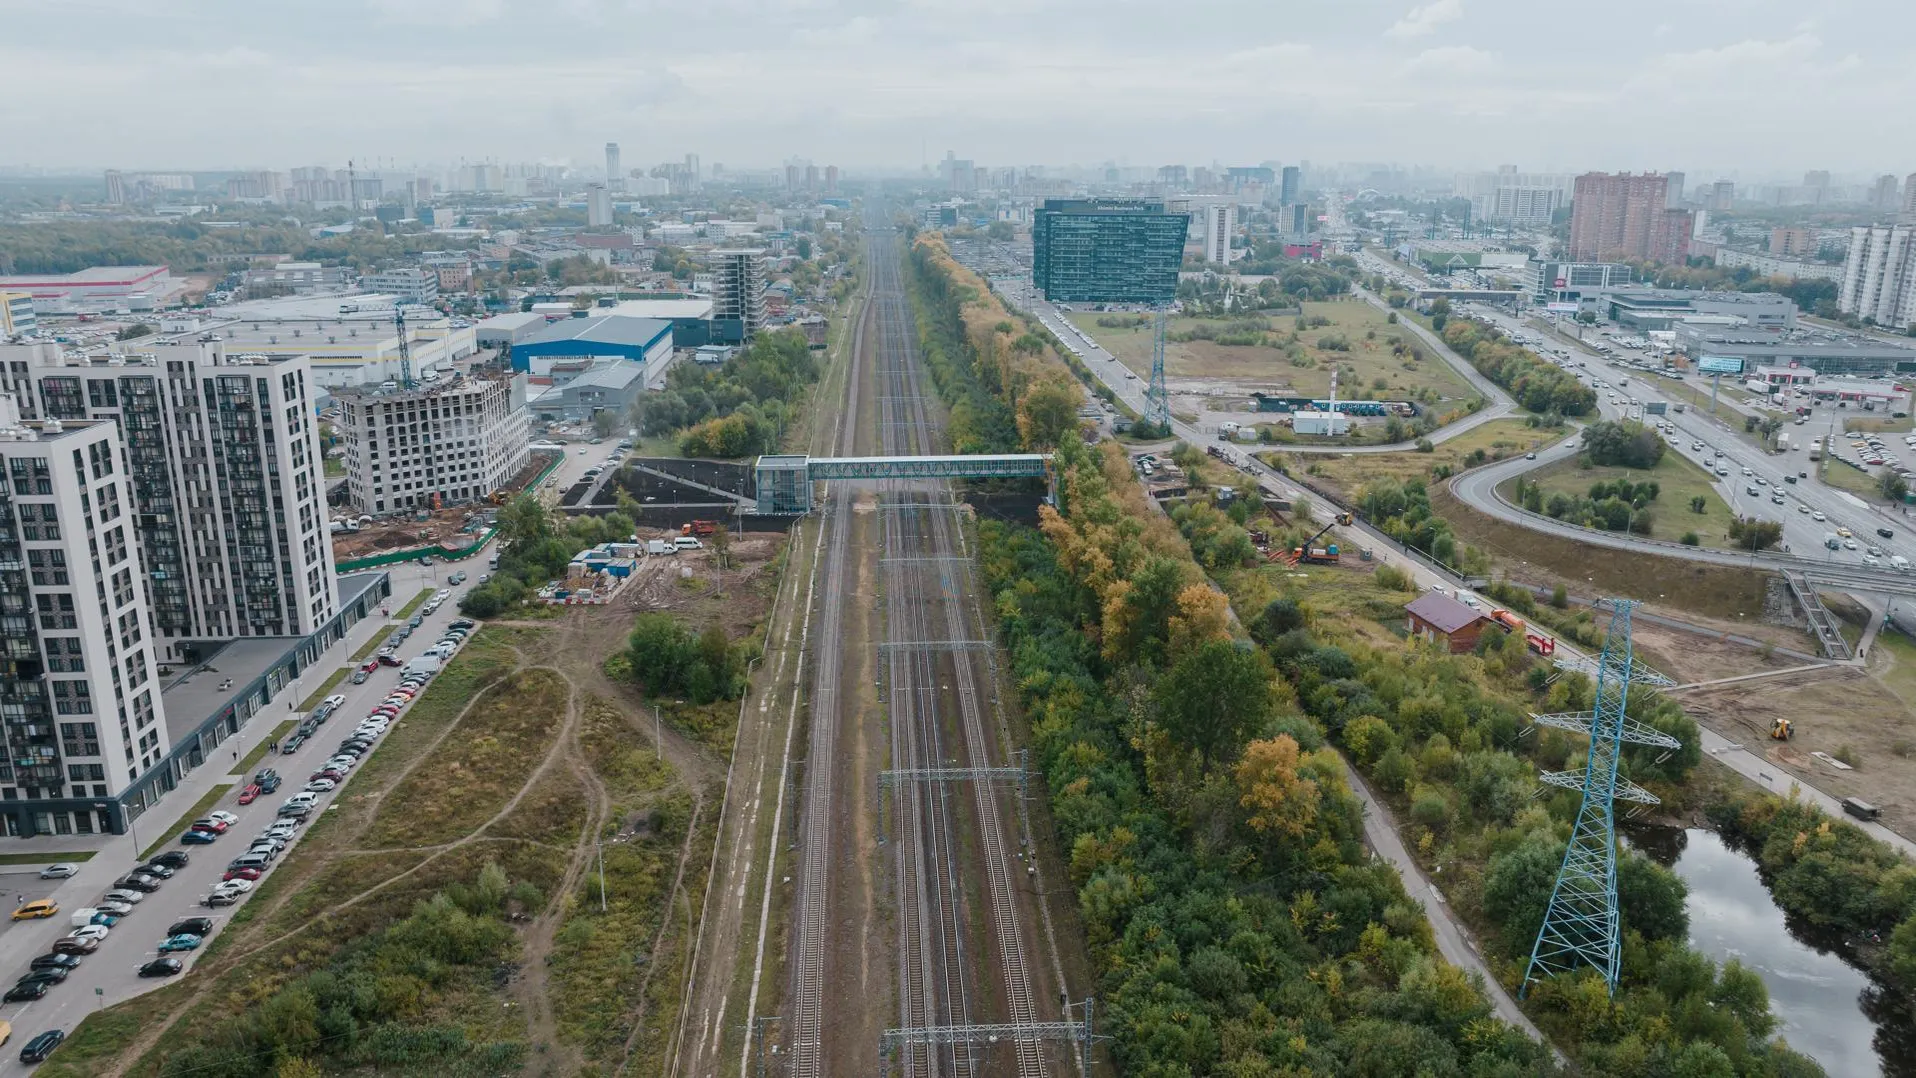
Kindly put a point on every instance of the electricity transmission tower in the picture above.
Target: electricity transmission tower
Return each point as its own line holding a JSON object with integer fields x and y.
{"x": 1583, "y": 926}
{"x": 1157, "y": 404}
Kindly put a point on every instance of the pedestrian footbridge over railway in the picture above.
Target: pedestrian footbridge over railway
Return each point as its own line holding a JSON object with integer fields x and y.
{"x": 785, "y": 480}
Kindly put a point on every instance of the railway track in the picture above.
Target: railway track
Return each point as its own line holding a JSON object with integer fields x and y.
{"x": 926, "y": 603}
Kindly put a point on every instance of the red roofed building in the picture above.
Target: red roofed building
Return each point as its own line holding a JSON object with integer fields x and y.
{"x": 1437, "y": 617}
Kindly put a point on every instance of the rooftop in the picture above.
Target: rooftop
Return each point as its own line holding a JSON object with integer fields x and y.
{"x": 191, "y": 697}
{"x": 1441, "y": 612}
{"x": 95, "y": 275}
{"x": 664, "y": 308}
{"x": 603, "y": 329}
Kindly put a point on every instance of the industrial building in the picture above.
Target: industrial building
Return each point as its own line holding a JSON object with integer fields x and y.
{"x": 1663, "y": 308}
{"x": 227, "y": 485}
{"x": 1574, "y": 282}
{"x": 454, "y": 441}
{"x": 645, "y": 342}
{"x": 580, "y": 390}
{"x": 300, "y": 278}
{"x": 407, "y": 284}
{"x": 692, "y": 318}
{"x": 738, "y": 292}
{"x": 350, "y": 349}
{"x": 1106, "y": 250}
{"x": 508, "y": 330}
{"x": 91, "y": 291}
{"x": 1823, "y": 351}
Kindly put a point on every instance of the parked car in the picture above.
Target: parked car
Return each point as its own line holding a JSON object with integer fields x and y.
{"x": 224, "y": 817}
{"x": 161, "y": 967}
{"x": 39, "y": 1048}
{"x": 208, "y": 823}
{"x": 198, "y": 838}
{"x": 55, "y": 961}
{"x": 89, "y": 932}
{"x": 243, "y": 874}
{"x": 322, "y": 786}
{"x": 156, "y": 870}
{"x": 249, "y": 794}
{"x": 137, "y": 881}
{"x": 75, "y": 946}
{"x": 59, "y": 870}
{"x": 25, "y": 992}
{"x": 216, "y": 899}
{"x": 47, "y": 975}
{"x": 131, "y": 898}
{"x": 183, "y": 941}
{"x": 288, "y": 746}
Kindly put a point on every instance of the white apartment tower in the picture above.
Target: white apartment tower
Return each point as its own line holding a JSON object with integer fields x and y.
{"x": 227, "y": 498}
{"x": 80, "y": 705}
{"x": 738, "y": 288}
{"x": 614, "y": 176}
{"x": 1879, "y": 277}
{"x": 456, "y": 440}
{"x": 1216, "y": 223}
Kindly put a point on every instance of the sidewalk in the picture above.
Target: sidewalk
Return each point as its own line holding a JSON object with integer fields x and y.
{"x": 115, "y": 854}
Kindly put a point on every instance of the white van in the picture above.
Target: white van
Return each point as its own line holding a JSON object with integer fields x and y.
{"x": 688, "y": 542}
{"x": 660, "y": 546}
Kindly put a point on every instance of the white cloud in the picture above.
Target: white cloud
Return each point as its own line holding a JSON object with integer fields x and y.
{"x": 1424, "y": 19}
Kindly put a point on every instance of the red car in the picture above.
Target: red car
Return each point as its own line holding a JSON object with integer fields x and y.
{"x": 242, "y": 874}
{"x": 249, "y": 794}
{"x": 388, "y": 660}
{"x": 217, "y": 827}
{"x": 369, "y": 666}
{"x": 329, "y": 773}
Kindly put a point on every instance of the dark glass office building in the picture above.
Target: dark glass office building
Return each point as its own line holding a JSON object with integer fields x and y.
{"x": 1107, "y": 250}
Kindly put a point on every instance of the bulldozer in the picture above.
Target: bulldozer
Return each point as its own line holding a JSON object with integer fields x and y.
{"x": 1782, "y": 729}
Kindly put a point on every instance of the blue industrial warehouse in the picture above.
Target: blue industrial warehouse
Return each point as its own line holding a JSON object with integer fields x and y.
{"x": 646, "y": 341}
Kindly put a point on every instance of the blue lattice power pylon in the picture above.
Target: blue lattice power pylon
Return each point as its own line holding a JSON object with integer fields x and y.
{"x": 1582, "y": 926}
{"x": 1157, "y": 403}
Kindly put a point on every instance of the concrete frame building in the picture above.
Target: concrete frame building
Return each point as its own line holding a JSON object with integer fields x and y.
{"x": 1217, "y": 221}
{"x": 738, "y": 289}
{"x": 227, "y": 495}
{"x": 16, "y": 314}
{"x": 455, "y": 441}
{"x": 1879, "y": 276}
{"x": 598, "y": 205}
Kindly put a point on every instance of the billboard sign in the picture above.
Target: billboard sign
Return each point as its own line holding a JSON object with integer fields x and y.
{"x": 1720, "y": 365}
{"x": 1561, "y": 308}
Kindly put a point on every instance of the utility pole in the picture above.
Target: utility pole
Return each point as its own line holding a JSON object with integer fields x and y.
{"x": 601, "y": 845}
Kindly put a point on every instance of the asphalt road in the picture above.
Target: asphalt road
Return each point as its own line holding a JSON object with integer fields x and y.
{"x": 111, "y": 971}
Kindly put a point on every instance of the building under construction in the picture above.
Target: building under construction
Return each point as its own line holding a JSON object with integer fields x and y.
{"x": 445, "y": 442}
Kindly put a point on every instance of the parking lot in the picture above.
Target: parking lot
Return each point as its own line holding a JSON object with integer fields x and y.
{"x": 110, "y": 973}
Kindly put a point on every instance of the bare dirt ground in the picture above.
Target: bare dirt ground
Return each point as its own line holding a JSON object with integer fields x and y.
{"x": 402, "y": 534}
{"x": 1690, "y": 657}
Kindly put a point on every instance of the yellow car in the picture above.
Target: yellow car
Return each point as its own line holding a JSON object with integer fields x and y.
{"x": 39, "y": 907}
{"x": 1844, "y": 532}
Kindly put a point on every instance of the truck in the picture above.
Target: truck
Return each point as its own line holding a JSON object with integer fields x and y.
{"x": 1782, "y": 441}
{"x": 424, "y": 664}
{"x": 660, "y": 546}
{"x": 1899, "y": 563}
{"x": 1816, "y": 449}
{"x": 699, "y": 527}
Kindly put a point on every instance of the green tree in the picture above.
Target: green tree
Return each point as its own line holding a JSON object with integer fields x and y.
{"x": 1628, "y": 444}
{"x": 1755, "y": 533}
{"x": 1892, "y": 486}
{"x": 1048, "y": 414}
{"x": 1212, "y": 697}
{"x": 1699, "y": 504}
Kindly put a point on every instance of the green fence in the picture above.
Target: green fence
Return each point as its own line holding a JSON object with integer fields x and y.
{"x": 437, "y": 550}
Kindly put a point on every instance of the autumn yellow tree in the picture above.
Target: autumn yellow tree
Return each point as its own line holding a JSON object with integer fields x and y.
{"x": 1281, "y": 801}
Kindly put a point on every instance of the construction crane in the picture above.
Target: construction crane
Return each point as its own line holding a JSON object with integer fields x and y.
{"x": 1308, "y": 554}
{"x": 405, "y": 350}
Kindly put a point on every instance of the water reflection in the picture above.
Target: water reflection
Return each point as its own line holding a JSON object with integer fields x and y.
{"x": 1818, "y": 999}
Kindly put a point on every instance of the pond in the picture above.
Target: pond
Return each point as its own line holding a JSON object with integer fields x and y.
{"x": 1826, "y": 1009}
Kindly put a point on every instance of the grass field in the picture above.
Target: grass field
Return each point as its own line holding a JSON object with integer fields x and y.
{"x": 212, "y": 798}
{"x": 1369, "y": 365}
{"x": 413, "y": 604}
{"x": 1678, "y": 479}
{"x": 325, "y": 687}
{"x": 45, "y": 858}
{"x": 1853, "y": 479}
{"x": 1497, "y": 439}
{"x": 378, "y": 639}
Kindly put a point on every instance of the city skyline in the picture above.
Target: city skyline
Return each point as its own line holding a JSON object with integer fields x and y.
{"x": 1457, "y": 83}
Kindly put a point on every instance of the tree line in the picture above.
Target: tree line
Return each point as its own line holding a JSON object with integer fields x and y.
{"x": 1536, "y": 385}
{"x": 740, "y": 408}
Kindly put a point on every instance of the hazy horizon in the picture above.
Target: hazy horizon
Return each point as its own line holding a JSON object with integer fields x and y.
{"x": 874, "y": 86}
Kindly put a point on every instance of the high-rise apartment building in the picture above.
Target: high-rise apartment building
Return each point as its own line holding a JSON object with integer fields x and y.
{"x": 831, "y": 179}
{"x": 1673, "y": 194}
{"x": 738, "y": 289}
{"x": 449, "y": 442}
{"x": 1618, "y": 217}
{"x": 115, "y": 188}
{"x": 1217, "y": 221}
{"x": 1722, "y": 197}
{"x": 1908, "y": 215}
{"x": 1879, "y": 277}
{"x": 598, "y": 205}
{"x": 79, "y": 694}
{"x": 227, "y": 487}
{"x": 1291, "y": 186}
{"x": 614, "y": 175}
{"x": 1107, "y": 250}
{"x": 1887, "y": 196}
{"x": 16, "y": 314}
{"x": 1793, "y": 242}
{"x": 1670, "y": 238}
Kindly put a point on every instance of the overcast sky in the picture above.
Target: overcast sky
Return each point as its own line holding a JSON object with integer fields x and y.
{"x": 1751, "y": 87}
